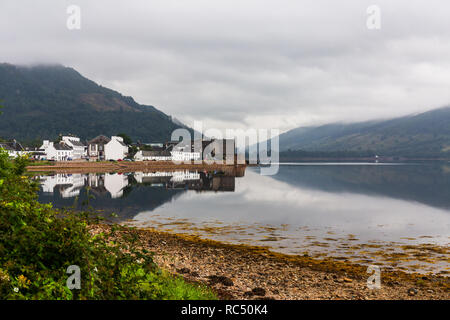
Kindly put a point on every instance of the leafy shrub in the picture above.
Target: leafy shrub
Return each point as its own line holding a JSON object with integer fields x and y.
{"x": 38, "y": 243}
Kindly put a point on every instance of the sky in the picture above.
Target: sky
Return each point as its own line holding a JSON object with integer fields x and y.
{"x": 246, "y": 63}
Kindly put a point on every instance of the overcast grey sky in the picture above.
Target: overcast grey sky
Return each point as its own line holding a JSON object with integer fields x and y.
{"x": 246, "y": 63}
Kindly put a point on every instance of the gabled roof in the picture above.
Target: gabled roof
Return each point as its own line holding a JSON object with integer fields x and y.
{"x": 155, "y": 153}
{"x": 101, "y": 139}
{"x": 62, "y": 146}
{"x": 11, "y": 146}
{"x": 153, "y": 148}
{"x": 192, "y": 144}
{"x": 118, "y": 140}
{"x": 76, "y": 143}
{"x": 121, "y": 142}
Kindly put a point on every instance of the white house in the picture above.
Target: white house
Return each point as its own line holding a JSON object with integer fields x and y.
{"x": 57, "y": 151}
{"x": 183, "y": 151}
{"x": 38, "y": 154}
{"x": 115, "y": 149}
{"x": 185, "y": 155}
{"x": 96, "y": 148}
{"x": 13, "y": 148}
{"x": 209, "y": 150}
{"x": 143, "y": 155}
{"x": 79, "y": 149}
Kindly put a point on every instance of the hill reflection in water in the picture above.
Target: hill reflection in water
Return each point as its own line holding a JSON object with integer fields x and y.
{"x": 127, "y": 194}
{"x": 361, "y": 212}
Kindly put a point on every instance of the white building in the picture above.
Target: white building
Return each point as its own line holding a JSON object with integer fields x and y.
{"x": 143, "y": 155}
{"x": 115, "y": 149}
{"x": 184, "y": 151}
{"x": 216, "y": 149}
{"x": 185, "y": 155}
{"x": 38, "y": 154}
{"x": 57, "y": 151}
{"x": 96, "y": 148}
{"x": 79, "y": 149}
{"x": 13, "y": 148}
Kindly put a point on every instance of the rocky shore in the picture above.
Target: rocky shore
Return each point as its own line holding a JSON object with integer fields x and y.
{"x": 244, "y": 272}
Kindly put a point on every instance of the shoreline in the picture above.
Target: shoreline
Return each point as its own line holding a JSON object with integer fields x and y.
{"x": 250, "y": 272}
{"x": 237, "y": 170}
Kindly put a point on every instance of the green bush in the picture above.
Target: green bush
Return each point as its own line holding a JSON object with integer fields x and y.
{"x": 38, "y": 243}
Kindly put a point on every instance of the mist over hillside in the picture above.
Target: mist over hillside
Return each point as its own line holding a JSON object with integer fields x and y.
{"x": 47, "y": 100}
{"x": 424, "y": 134}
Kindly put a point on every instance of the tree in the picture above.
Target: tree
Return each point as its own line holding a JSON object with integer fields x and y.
{"x": 126, "y": 139}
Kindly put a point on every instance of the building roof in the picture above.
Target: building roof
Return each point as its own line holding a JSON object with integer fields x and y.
{"x": 144, "y": 147}
{"x": 11, "y": 146}
{"x": 121, "y": 142}
{"x": 101, "y": 139}
{"x": 76, "y": 143}
{"x": 155, "y": 153}
{"x": 62, "y": 146}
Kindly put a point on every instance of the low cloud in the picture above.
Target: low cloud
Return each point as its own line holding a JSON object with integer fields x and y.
{"x": 239, "y": 64}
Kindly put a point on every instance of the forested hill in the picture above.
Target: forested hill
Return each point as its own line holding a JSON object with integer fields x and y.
{"x": 424, "y": 134}
{"x": 44, "y": 101}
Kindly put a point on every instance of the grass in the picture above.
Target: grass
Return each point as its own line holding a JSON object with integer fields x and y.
{"x": 176, "y": 288}
{"x": 41, "y": 163}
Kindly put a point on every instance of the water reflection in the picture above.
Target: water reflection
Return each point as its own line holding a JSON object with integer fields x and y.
{"x": 364, "y": 213}
{"x": 425, "y": 183}
{"x": 127, "y": 194}
{"x": 189, "y": 180}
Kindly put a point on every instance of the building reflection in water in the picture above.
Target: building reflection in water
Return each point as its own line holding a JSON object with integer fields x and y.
{"x": 114, "y": 184}
{"x": 69, "y": 185}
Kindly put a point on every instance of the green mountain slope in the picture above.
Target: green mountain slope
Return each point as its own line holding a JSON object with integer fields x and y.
{"x": 425, "y": 134}
{"x": 44, "y": 101}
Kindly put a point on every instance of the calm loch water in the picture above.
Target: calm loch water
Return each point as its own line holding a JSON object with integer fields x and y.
{"x": 390, "y": 214}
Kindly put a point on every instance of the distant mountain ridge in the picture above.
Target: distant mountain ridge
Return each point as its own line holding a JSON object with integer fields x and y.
{"x": 424, "y": 134}
{"x": 47, "y": 100}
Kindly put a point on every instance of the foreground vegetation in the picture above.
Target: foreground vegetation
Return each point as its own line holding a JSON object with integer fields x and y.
{"x": 38, "y": 243}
